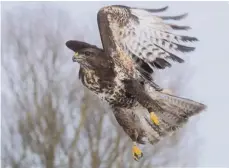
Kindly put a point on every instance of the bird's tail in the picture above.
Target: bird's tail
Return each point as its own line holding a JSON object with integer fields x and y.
{"x": 174, "y": 114}
{"x": 182, "y": 106}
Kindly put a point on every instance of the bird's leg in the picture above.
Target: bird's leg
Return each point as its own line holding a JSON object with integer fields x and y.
{"x": 126, "y": 121}
{"x": 136, "y": 152}
{"x": 153, "y": 116}
{"x": 144, "y": 99}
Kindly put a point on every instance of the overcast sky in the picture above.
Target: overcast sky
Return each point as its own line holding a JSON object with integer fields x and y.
{"x": 210, "y": 82}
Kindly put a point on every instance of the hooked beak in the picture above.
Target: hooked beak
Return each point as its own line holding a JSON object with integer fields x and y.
{"x": 74, "y": 58}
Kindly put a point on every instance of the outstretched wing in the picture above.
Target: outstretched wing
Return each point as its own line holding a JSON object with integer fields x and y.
{"x": 144, "y": 37}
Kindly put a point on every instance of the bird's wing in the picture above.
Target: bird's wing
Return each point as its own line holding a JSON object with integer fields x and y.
{"x": 142, "y": 36}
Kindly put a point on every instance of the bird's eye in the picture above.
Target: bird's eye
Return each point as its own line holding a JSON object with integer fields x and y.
{"x": 87, "y": 53}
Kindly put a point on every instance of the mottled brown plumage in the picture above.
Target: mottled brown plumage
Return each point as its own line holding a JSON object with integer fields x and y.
{"x": 135, "y": 43}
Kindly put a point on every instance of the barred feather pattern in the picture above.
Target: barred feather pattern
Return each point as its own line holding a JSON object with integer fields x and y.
{"x": 150, "y": 38}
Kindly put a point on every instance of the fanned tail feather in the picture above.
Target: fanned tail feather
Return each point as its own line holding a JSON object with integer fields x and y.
{"x": 176, "y": 112}
{"x": 189, "y": 107}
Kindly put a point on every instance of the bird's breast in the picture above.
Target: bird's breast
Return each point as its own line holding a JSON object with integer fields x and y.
{"x": 113, "y": 91}
{"x": 90, "y": 80}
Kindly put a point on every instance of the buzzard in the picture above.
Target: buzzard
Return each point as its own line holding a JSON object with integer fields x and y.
{"x": 135, "y": 44}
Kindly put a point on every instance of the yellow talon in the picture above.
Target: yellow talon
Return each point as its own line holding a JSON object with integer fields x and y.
{"x": 137, "y": 153}
{"x": 154, "y": 118}
{"x": 167, "y": 91}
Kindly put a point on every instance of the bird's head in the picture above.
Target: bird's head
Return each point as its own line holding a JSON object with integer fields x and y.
{"x": 85, "y": 54}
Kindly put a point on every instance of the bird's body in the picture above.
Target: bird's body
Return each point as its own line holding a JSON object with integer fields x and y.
{"x": 107, "y": 84}
{"x": 135, "y": 43}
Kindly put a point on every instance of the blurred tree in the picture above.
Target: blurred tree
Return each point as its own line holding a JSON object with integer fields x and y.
{"x": 48, "y": 119}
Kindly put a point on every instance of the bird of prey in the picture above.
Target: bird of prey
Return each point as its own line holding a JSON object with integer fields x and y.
{"x": 135, "y": 44}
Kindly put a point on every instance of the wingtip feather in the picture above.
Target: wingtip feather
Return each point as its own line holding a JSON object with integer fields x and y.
{"x": 183, "y": 48}
{"x": 177, "y": 27}
{"x": 157, "y": 10}
{"x": 178, "y": 17}
{"x": 190, "y": 39}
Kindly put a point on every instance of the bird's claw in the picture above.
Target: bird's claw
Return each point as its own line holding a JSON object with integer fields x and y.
{"x": 137, "y": 153}
{"x": 154, "y": 118}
